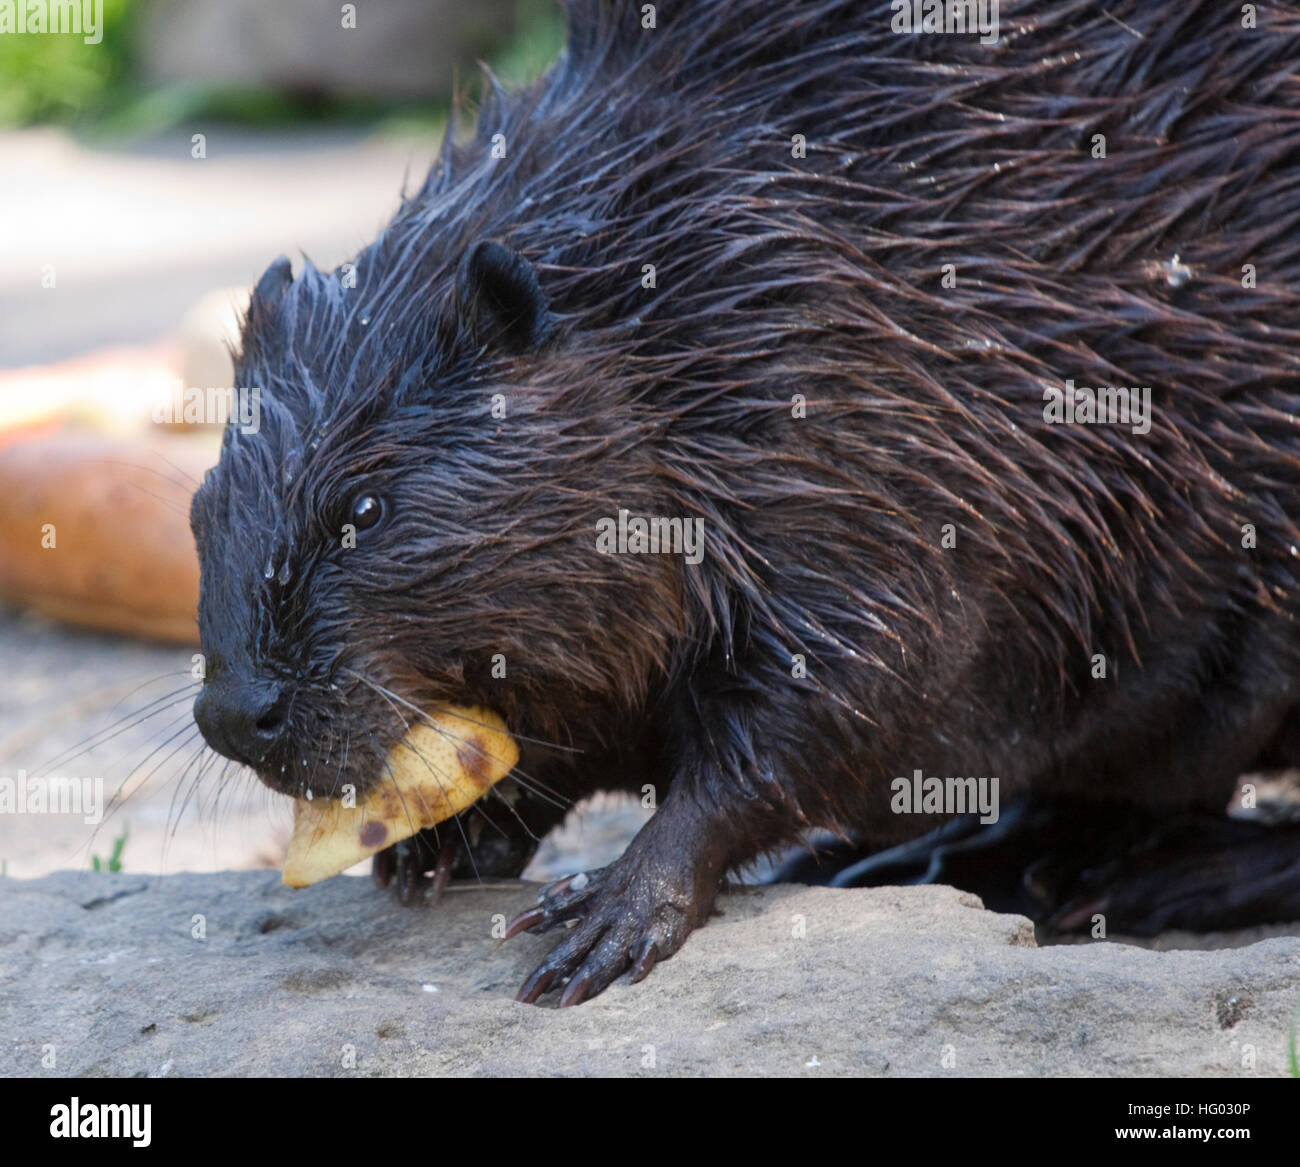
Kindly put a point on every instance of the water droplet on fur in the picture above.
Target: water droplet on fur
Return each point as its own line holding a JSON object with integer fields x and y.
{"x": 365, "y": 320}
{"x": 269, "y": 570}
{"x": 307, "y": 795}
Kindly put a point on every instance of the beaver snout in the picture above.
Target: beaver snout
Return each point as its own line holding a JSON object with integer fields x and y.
{"x": 243, "y": 720}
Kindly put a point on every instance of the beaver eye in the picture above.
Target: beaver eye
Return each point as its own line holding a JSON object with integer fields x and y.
{"x": 366, "y": 511}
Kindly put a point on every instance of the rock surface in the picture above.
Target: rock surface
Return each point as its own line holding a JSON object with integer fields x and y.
{"x": 339, "y": 980}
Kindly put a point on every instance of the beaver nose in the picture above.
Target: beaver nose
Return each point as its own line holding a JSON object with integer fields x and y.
{"x": 242, "y": 721}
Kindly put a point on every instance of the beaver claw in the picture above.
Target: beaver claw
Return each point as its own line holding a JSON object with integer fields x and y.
{"x": 474, "y": 849}
{"x": 405, "y": 862}
{"x": 616, "y": 925}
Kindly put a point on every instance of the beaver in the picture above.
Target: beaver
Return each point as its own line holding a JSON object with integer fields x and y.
{"x": 828, "y": 291}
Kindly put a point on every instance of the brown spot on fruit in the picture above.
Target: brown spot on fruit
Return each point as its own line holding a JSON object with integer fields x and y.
{"x": 473, "y": 761}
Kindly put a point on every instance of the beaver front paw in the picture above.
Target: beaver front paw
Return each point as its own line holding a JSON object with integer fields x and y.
{"x": 619, "y": 926}
{"x": 630, "y": 915}
{"x": 456, "y": 849}
{"x": 406, "y": 863}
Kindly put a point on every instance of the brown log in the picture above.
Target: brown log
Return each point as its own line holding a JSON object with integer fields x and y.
{"x": 123, "y": 558}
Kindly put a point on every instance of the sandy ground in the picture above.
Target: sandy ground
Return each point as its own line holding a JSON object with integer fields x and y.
{"x": 231, "y": 973}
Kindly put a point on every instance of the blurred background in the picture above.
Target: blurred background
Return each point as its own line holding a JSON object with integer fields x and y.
{"x": 146, "y": 180}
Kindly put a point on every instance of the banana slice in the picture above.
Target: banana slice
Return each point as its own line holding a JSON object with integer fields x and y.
{"x": 438, "y": 769}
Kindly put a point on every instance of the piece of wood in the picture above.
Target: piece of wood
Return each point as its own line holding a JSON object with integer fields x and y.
{"x": 94, "y": 529}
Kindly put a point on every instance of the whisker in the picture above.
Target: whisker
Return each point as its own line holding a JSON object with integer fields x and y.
{"x": 410, "y": 822}
{"x": 223, "y": 776}
{"x": 469, "y": 851}
{"x": 118, "y": 801}
{"x": 460, "y": 716}
{"x": 537, "y": 787}
{"x": 200, "y": 757}
{"x": 195, "y": 784}
{"x": 192, "y": 481}
{"x": 87, "y": 703}
{"x": 179, "y": 470}
{"x": 170, "y": 503}
{"x": 119, "y": 727}
{"x": 228, "y": 777}
{"x": 187, "y": 728}
{"x": 187, "y": 733}
{"x": 510, "y": 807}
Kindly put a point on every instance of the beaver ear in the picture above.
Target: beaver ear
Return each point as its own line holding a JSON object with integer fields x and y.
{"x": 499, "y": 298}
{"x": 274, "y": 281}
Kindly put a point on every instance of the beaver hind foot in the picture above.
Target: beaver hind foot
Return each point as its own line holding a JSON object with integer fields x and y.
{"x": 1065, "y": 863}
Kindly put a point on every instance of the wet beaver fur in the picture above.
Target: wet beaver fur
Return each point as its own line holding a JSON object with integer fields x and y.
{"x": 500, "y": 371}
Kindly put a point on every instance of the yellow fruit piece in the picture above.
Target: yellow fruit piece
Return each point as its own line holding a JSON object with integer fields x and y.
{"x": 437, "y": 770}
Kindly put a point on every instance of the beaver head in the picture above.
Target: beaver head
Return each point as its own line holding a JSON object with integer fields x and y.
{"x": 413, "y": 518}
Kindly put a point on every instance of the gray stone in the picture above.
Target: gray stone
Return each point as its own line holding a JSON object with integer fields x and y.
{"x": 339, "y": 980}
